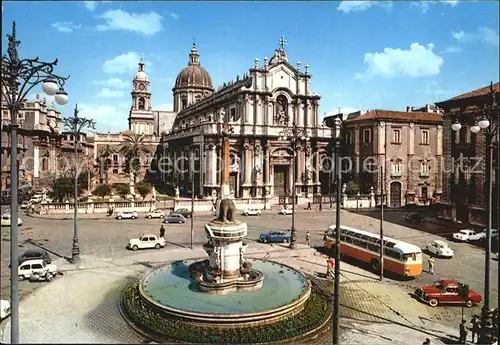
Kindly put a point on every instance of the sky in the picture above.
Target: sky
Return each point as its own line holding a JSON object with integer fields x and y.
{"x": 362, "y": 55}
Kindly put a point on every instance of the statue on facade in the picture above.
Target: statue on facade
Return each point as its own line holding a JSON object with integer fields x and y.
{"x": 281, "y": 111}
{"x": 309, "y": 171}
{"x": 222, "y": 115}
{"x": 153, "y": 193}
{"x": 177, "y": 192}
{"x": 227, "y": 211}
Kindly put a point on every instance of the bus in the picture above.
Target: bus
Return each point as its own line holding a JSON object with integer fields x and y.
{"x": 400, "y": 258}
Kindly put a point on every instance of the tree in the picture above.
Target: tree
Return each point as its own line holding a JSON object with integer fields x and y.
{"x": 102, "y": 190}
{"x": 143, "y": 189}
{"x": 123, "y": 190}
{"x": 83, "y": 180}
{"x": 132, "y": 149}
{"x": 62, "y": 188}
{"x": 351, "y": 188}
{"x": 104, "y": 162}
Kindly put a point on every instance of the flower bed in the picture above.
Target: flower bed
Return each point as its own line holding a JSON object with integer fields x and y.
{"x": 315, "y": 314}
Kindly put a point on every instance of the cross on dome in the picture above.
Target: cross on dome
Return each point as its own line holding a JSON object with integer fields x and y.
{"x": 283, "y": 42}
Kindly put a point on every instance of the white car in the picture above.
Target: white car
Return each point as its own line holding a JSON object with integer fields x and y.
{"x": 127, "y": 215}
{"x": 4, "y": 309}
{"x": 29, "y": 267}
{"x": 146, "y": 241}
{"x": 156, "y": 214}
{"x": 440, "y": 248}
{"x": 494, "y": 256}
{"x": 6, "y": 220}
{"x": 252, "y": 212}
{"x": 482, "y": 235}
{"x": 286, "y": 211}
{"x": 465, "y": 235}
{"x": 25, "y": 204}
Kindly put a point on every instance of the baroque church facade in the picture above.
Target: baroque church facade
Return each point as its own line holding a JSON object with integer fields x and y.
{"x": 260, "y": 111}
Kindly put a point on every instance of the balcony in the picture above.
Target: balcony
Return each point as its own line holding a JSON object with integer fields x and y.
{"x": 396, "y": 174}
{"x": 423, "y": 174}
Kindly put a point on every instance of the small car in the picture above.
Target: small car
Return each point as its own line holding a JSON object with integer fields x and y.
{"x": 494, "y": 256}
{"x": 146, "y": 241}
{"x": 286, "y": 211}
{"x": 175, "y": 218}
{"x": 275, "y": 236}
{"x": 6, "y": 220}
{"x": 465, "y": 235}
{"x": 446, "y": 291}
{"x": 4, "y": 309}
{"x": 415, "y": 218}
{"x": 24, "y": 204}
{"x": 482, "y": 235}
{"x": 252, "y": 212}
{"x": 29, "y": 267}
{"x": 440, "y": 248}
{"x": 127, "y": 215}
{"x": 184, "y": 212}
{"x": 155, "y": 214}
{"x": 35, "y": 254}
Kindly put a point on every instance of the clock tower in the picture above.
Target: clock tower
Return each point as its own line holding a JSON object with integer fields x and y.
{"x": 141, "y": 118}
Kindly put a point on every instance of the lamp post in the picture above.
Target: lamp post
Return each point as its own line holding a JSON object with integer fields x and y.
{"x": 19, "y": 77}
{"x": 486, "y": 118}
{"x": 294, "y": 135}
{"x": 336, "y": 286}
{"x": 75, "y": 126}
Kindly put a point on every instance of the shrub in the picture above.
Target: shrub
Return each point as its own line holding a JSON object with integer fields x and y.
{"x": 102, "y": 190}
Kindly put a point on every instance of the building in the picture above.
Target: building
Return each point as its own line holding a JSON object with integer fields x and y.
{"x": 38, "y": 143}
{"x": 397, "y": 152}
{"x": 465, "y": 187}
{"x": 258, "y": 109}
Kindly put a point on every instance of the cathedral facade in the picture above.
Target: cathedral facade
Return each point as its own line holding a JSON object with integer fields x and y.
{"x": 272, "y": 119}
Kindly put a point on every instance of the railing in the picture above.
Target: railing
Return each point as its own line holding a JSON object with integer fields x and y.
{"x": 96, "y": 206}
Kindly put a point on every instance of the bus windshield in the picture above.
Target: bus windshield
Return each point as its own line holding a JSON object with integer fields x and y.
{"x": 412, "y": 257}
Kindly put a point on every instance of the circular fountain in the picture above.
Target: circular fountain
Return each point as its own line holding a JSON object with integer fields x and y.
{"x": 227, "y": 297}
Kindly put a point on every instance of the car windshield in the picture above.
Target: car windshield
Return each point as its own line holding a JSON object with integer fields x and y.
{"x": 438, "y": 285}
{"x": 465, "y": 232}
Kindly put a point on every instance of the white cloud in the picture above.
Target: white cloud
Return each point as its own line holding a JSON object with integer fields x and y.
{"x": 90, "y": 5}
{"x": 418, "y": 61}
{"x": 107, "y": 117}
{"x": 165, "y": 106}
{"x": 114, "y": 83}
{"x": 358, "y": 6}
{"x": 144, "y": 23}
{"x": 425, "y": 5}
{"x": 66, "y": 26}
{"x": 124, "y": 63}
{"x": 452, "y": 49}
{"x": 174, "y": 15}
{"x": 108, "y": 93}
{"x": 483, "y": 34}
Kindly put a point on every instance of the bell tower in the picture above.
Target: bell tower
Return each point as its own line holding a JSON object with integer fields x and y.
{"x": 141, "y": 118}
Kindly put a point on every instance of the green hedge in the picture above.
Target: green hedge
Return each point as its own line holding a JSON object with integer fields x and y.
{"x": 317, "y": 310}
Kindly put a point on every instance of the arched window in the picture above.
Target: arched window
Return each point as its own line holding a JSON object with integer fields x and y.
{"x": 141, "y": 105}
{"x": 184, "y": 102}
{"x": 281, "y": 114}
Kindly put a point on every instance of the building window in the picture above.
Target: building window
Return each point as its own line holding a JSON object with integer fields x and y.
{"x": 141, "y": 104}
{"x": 71, "y": 137}
{"x": 367, "y": 136}
{"x": 424, "y": 169}
{"x": 232, "y": 114}
{"x": 423, "y": 193}
{"x": 115, "y": 158}
{"x": 197, "y": 98}
{"x": 184, "y": 102}
{"x": 45, "y": 164}
{"x": 115, "y": 171}
{"x": 424, "y": 137}
{"x": 396, "y": 136}
{"x": 348, "y": 137}
{"x": 396, "y": 169}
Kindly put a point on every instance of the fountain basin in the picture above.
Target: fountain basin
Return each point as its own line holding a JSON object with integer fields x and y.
{"x": 171, "y": 290}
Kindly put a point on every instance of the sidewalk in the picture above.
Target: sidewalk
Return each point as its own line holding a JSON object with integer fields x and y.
{"x": 82, "y": 305}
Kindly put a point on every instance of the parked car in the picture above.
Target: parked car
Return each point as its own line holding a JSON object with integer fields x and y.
{"x": 494, "y": 256}
{"x": 4, "y": 309}
{"x": 29, "y": 267}
{"x": 275, "y": 236}
{"x": 175, "y": 218}
{"x": 127, "y": 215}
{"x": 25, "y": 204}
{"x": 6, "y": 220}
{"x": 252, "y": 212}
{"x": 155, "y": 214}
{"x": 146, "y": 241}
{"x": 465, "y": 235}
{"x": 184, "y": 212}
{"x": 446, "y": 291}
{"x": 35, "y": 254}
{"x": 482, "y": 235}
{"x": 286, "y": 210}
{"x": 440, "y": 248}
{"x": 415, "y": 218}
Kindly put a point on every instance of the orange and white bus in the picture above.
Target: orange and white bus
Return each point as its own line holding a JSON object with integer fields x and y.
{"x": 400, "y": 258}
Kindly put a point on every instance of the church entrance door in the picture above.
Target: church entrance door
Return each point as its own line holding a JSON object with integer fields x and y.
{"x": 280, "y": 173}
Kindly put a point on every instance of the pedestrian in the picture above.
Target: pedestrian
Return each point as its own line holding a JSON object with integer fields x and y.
{"x": 463, "y": 333}
{"x": 427, "y": 342}
{"x": 431, "y": 264}
{"x": 162, "y": 231}
{"x": 330, "y": 265}
{"x": 309, "y": 206}
{"x": 475, "y": 327}
{"x": 321, "y": 206}
{"x": 308, "y": 239}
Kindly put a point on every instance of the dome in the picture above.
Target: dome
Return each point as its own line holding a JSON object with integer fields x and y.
{"x": 194, "y": 75}
{"x": 141, "y": 75}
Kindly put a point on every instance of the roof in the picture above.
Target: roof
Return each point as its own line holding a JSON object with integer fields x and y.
{"x": 148, "y": 235}
{"x": 410, "y": 116}
{"x": 476, "y": 93}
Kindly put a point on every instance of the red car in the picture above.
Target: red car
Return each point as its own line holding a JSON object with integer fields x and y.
{"x": 445, "y": 291}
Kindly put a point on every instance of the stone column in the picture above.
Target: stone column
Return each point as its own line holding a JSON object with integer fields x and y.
{"x": 247, "y": 170}
{"x": 213, "y": 165}
{"x": 225, "y": 168}
{"x": 317, "y": 168}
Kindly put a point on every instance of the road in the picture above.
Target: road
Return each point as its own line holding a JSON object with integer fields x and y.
{"x": 108, "y": 237}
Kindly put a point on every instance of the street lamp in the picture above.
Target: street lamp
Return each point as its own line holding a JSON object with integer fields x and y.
{"x": 487, "y": 119}
{"x": 75, "y": 126}
{"x": 294, "y": 134}
{"x": 19, "y": 77}
{"x": 336, "y": 287}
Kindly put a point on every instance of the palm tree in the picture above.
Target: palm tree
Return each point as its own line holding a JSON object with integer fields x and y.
{"x": 104, "y": 161}
{"x": 133, "y": 148}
